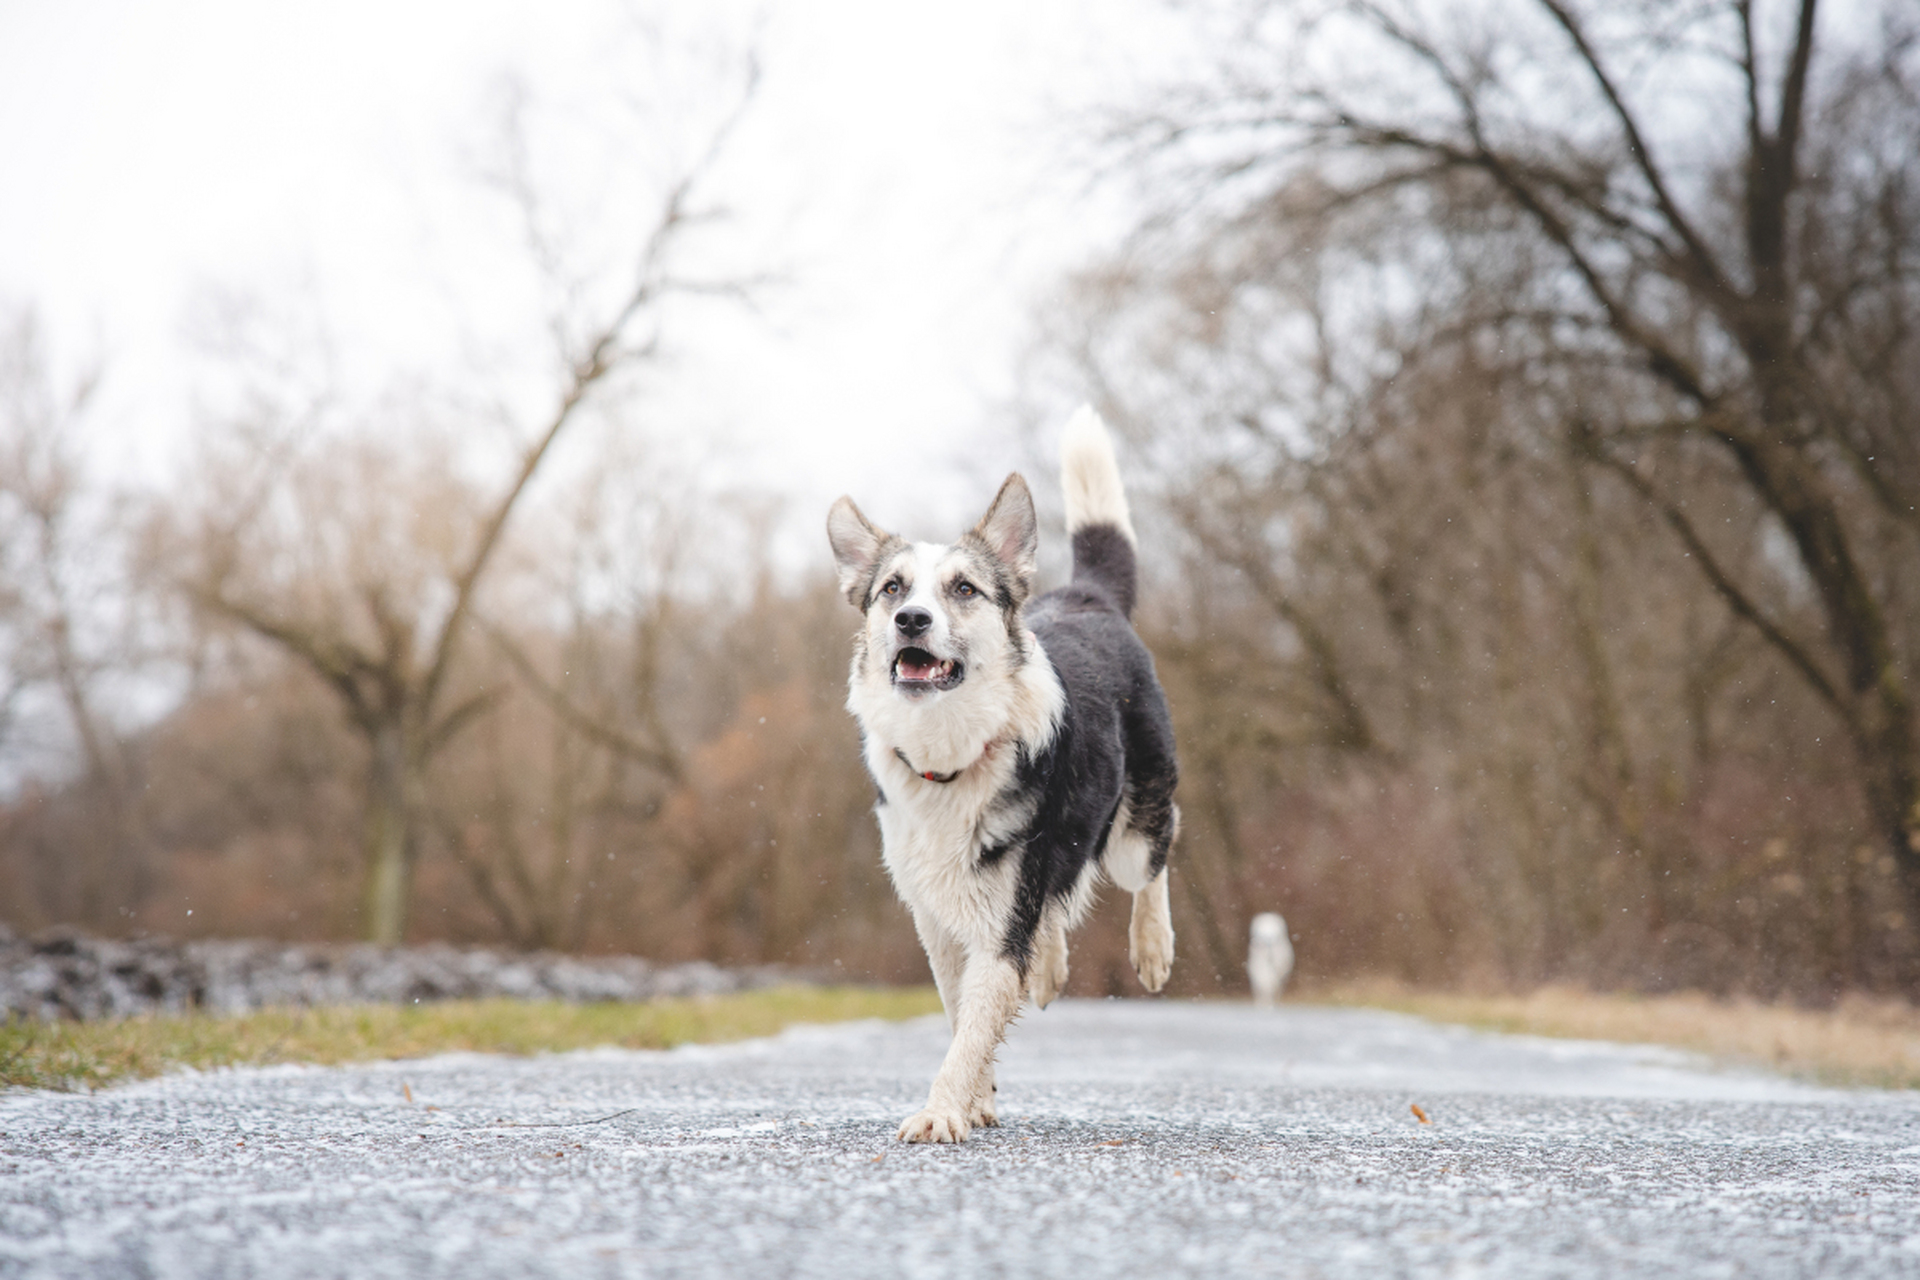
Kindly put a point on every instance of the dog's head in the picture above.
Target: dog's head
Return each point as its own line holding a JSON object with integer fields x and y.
{"x": 942, "y": 621}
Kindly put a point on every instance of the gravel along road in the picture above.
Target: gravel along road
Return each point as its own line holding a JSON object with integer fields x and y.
{"x": 1140, "y": 1138}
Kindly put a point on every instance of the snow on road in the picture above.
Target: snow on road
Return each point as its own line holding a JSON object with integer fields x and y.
{"x": 1142, "y": 1138}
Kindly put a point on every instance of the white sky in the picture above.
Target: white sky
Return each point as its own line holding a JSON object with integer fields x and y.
{"x": 905, "y": 164}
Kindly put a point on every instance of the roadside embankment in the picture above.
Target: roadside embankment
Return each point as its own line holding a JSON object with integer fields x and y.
{"x": 63, "y": 976}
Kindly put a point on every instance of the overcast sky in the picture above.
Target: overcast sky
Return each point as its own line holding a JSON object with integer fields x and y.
{"x": 907, "y": 167}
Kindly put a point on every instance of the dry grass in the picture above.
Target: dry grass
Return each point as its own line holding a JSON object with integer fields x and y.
{"x": 1862, "y": 1041}
{"x": 88, "y": 1055}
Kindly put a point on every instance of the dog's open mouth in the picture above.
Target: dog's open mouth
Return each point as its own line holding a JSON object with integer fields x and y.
{"x": 917, "y": 671}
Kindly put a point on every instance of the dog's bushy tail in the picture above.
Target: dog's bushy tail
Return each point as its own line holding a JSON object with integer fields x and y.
{"x": 1103, "y": 541}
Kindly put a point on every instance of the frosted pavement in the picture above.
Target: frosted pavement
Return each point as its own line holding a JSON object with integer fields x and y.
{"x": 1140, "y": 1138}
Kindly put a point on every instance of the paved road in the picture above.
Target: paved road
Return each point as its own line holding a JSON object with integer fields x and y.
{"x": 1140, "y": 1139}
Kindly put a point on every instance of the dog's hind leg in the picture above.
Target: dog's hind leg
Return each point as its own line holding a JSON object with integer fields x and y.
{"x": 1148, "y": 824}
{"x": 989, "y": 998}
{"x": 1048, "y": 974}
{"x": 1136, "y": 860}
{"x": 1150, "y": 935}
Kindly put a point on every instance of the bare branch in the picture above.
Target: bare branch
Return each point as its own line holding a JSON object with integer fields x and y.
{"x": 1709, "y": 277}
{"x": 1793, "y": 93}
{"x": 601, "y": 357}
{"x": 654, "y": 756}
{"x": 334, "y": 660}
{"x": 1662, "y": 361}
{"x": 1351, "y": 730}
{"x": 1723, "y": 584}
{"x": 460, "y": 717}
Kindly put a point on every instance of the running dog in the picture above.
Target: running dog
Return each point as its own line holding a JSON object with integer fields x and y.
{"x": 1022, "y": 750}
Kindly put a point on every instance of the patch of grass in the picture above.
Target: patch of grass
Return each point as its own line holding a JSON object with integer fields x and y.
{"x": 89, "y": 1055}
{"x": 1860, "y": 1041}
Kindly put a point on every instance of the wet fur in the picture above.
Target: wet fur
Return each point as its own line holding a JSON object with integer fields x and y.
{"x": 1048, "y": 764}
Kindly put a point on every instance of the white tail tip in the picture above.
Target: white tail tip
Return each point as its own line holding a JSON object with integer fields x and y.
{"x": 1091, "y": 475}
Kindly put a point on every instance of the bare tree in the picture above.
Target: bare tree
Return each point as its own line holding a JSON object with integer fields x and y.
{"x": 72, "y": 632}
{"x": 575, "y": 773}
{"x": 389, "y": 639}
{"x": 1690, "y": 232}
{"x": 41, "y": 489}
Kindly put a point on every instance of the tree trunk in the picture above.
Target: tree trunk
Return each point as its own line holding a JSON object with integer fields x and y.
{"x": 1893, "y": 796}
{"x": 1872, "y": 695}
{"x": 393, "y": 786}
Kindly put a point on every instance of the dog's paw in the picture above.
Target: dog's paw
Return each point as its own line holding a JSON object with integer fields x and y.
{"x": 983, "y": 1114}
{"x": 1150, "y": 947}
{"x": 935, "y": 1126}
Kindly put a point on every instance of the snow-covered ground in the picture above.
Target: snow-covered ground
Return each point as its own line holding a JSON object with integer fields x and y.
{"x": 1140, "y": 1138}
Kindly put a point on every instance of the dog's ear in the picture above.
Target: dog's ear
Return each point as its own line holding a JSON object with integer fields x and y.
{"x": 1011, "y": 530}
{"x": 856, "y": 549}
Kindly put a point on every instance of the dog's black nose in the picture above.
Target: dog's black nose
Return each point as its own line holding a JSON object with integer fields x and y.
{"x": 913, "y": 621}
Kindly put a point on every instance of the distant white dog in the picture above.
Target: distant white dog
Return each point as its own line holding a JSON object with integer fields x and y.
{"x": 1269, "y": 957}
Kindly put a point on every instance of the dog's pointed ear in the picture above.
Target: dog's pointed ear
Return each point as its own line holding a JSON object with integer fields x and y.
{"x": 1011, "y": 530}
{"x": 857, "y": 542}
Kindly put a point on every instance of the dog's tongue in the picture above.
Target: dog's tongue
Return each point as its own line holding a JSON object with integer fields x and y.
{"x": 911, "y": 670}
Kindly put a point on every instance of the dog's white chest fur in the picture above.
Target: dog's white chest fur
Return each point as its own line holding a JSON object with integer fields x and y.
{"x": 932, "y": 849}
{"x": 934, "y": 834}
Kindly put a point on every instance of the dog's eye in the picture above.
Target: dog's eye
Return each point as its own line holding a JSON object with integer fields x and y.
{"x": 964, "y": 588}
{"x": 892, "y": 588}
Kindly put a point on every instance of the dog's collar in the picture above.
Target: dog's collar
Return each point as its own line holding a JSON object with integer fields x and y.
{"x": 925, "y": 773}
{"x": 930, "y": 776}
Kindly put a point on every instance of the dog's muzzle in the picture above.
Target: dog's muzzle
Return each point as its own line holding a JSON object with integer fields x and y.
{"x": 916, "y": 669}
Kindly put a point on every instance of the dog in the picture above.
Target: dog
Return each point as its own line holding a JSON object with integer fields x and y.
{"x": 1022, "y": 751}
{"x": 1269, "y": 957}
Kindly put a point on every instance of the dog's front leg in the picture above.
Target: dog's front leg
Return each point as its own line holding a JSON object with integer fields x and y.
{"x": 990, "y": 993}
{"x": 948, "y": 960}
{"x": 947, "y": 957}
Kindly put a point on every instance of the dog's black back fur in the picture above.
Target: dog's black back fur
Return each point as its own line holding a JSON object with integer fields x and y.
{"x": 1115, "y": 740}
